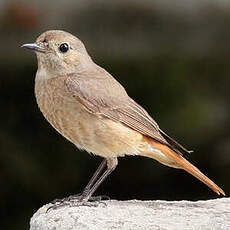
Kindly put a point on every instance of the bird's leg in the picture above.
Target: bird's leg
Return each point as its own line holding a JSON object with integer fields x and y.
{"x": 87, "y": 193}
{"x": 94, "y": 177}
{"x": 87, "y": 188}
{"x": 91, "y": 187}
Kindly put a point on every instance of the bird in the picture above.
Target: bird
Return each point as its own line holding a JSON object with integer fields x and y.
{"x": 91, "y": 109}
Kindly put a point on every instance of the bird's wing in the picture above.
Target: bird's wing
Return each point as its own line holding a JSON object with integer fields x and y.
{"x": 106, "y": 97}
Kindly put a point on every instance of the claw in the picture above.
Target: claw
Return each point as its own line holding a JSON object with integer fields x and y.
{"x": 76, "y": 201}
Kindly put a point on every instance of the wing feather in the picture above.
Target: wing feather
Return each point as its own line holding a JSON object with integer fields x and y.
{"x": 104, "y": 96}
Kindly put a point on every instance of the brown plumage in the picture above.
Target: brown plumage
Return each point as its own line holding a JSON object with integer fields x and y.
{"x": 90, "y": 108}
{"x": 180, "y": 162}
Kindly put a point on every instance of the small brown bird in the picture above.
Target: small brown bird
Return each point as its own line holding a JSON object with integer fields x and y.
{"x": 84, "y": 103}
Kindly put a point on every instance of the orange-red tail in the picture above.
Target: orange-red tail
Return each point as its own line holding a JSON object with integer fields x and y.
{"x": 177, "y": 161}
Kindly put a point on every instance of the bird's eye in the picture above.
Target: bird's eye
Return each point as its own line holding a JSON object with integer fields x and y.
{"x": 64, "y": 47}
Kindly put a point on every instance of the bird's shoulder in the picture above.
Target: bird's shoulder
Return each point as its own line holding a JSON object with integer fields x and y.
{"x": 101, "y": 90}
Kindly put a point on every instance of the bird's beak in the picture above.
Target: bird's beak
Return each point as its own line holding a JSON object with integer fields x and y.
{"x": 35, "y": 46}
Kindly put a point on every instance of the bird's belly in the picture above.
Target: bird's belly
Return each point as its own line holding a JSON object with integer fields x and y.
{"x": 95, "y": 134}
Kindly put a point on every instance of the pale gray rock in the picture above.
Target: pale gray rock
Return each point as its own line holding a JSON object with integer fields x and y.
{"x": 135, "y": 214}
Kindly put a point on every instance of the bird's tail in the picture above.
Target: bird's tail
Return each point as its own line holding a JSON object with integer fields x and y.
{"x": 167, "y": 156}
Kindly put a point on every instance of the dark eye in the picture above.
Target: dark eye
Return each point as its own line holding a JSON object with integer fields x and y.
{"x": 64, "y": 47}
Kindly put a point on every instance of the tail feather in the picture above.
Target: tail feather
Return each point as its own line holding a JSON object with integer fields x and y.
{"x": 178, "y": 161}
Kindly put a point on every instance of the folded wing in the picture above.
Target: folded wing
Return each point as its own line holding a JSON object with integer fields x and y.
{"x": 104, "y": 96}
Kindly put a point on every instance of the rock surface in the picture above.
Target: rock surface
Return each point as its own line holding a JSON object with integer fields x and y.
{"x": 135, "y": 214}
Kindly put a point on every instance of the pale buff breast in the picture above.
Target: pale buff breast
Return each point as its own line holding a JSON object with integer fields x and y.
{"x": 87, "y": 131}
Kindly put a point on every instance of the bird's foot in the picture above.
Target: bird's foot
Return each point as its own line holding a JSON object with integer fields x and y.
{"x": 77, "y": 200}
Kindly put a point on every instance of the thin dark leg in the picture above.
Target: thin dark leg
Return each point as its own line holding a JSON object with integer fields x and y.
{"x": 87, "y": 195}
{"x": 87, "y": 187}
{"x": 94, "y": 177}
{"x": 111, "y": 165}
{"x": 81, "y": 199}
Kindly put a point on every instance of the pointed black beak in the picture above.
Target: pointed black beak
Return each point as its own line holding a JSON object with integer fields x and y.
{"x": 35, "y": 47}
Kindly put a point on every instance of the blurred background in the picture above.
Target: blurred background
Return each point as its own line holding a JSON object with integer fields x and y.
{"x": 173, "y": 59}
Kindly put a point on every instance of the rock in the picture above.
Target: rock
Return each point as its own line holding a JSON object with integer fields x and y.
{"x": 135, "y": 214}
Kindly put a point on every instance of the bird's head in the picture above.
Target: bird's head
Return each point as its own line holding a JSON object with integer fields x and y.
{"x": 60, "y": 52}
